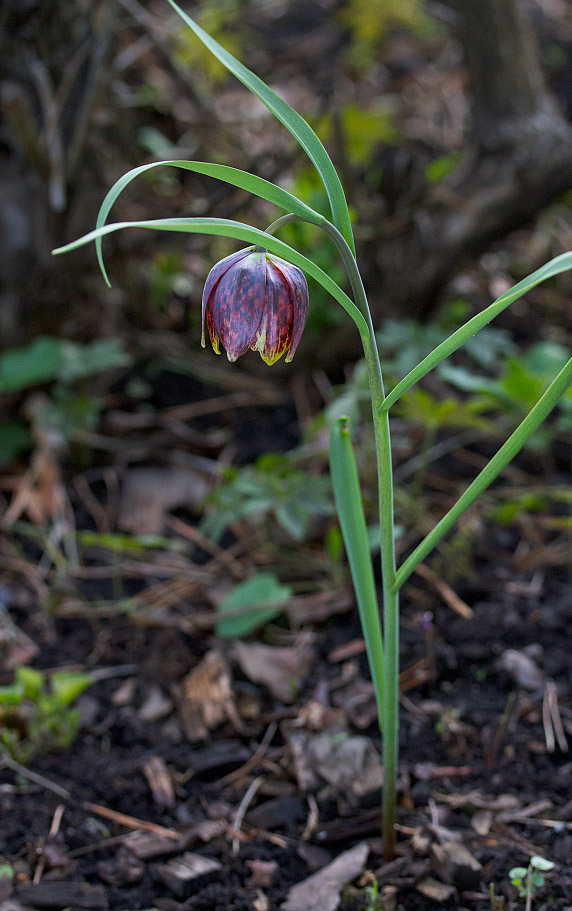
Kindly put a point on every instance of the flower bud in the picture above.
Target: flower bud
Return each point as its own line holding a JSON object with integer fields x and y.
{"x": 253, "y": 299}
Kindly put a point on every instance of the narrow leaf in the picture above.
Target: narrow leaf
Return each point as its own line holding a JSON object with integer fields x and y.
{"x": 557, "y": 265}
{"x": 300, "y": 130}
{"x": 235, "y": 176}
{"x": 226, "y": 228}
{"x": 347, "y": 495}
{"x": 500, "y": 460}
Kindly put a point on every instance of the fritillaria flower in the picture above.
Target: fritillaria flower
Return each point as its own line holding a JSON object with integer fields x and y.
{"x": 253, "y": 299}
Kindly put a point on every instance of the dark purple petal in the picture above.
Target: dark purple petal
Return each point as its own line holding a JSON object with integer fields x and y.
{"x": 297, "y": 285}
{"x": 274, "y": 332}
{"x": 238, "y": 303}
{"x": 215, "y": 276}
{"x": 254, "y": 300}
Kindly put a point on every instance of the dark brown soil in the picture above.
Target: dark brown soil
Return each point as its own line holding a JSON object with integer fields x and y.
{"x": 473, "y": 734}
{"x": 486, "y": 715}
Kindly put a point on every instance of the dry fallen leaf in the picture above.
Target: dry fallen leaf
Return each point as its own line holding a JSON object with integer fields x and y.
{"x": 40, "y": 493}
{"x": 149, "y": 493}
{"x": 15, "y": 646}
{"x": 349, "y": 764}
{"x": 321, "y": 891}
{"x": 280, "y": 669}
{"x": 206, "y": 697}
{"x": 523, "y": 670}
{"x": 263, "y": 872}
{"x": 160, "y": 782}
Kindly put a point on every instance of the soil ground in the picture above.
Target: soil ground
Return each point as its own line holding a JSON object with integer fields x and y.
{"x": 486, "y": 716}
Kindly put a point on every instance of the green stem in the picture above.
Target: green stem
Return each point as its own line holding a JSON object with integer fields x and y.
{"x": 390, "y": 705}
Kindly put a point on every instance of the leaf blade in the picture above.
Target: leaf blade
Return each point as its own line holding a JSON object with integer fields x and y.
{"x": 288, "y": 117}
{"x": 228, "y": 228}
{"x": 484, "y": 479}
{"x": 556, "y": 266}
{"x": 238, "y": 178}
{"x": 347, "y": 495}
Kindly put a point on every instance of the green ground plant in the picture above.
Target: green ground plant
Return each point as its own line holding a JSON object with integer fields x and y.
{"x": 373, "y": 899}
{"x": 65, "y": 366}
{"x": 529, "y": 879}
{"x": 251, "y": 604}
{"x": 274, "y": 486}
{"x": 37, "y": 714}
{"x": 257, "y": 298}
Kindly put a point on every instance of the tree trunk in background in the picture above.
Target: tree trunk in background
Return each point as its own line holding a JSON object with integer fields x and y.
{"x": 507, "y": 85}
{"x": 52, "y": 56}
{"x": 519, "y": 159}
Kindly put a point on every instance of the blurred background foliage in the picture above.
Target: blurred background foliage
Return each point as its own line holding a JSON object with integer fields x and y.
{"x": 96, "y": 381}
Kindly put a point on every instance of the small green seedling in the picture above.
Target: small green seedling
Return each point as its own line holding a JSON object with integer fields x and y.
{"x": 528, "y": 879}
{"x": 497, "y": 901}
{"x": 36, "y": 717}
{"x": 373, "y": 898}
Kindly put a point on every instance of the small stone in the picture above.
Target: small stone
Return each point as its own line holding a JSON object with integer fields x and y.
{"x": 179, "y": 872}
{"x": 156, "y": 706}
{"x": 523, "y": 670}
{"x": 481, "y": 821}
{"x": 436, "y": 891}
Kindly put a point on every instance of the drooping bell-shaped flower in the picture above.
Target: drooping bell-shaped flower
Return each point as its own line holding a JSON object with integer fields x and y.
{"x": 253, "y": 299}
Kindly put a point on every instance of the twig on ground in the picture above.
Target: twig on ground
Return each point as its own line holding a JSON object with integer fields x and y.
{"x": 54, "y": 829}
{"x": 241, "y": 810}
{"x": 256, "y": 757}
{"x": 130, "y": 822}
{"x": 450, "y": 597}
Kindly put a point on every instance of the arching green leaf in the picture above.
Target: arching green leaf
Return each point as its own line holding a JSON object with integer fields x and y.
{"x": 226, "y": 228}
{"x": 235, "y": 176}
{"x": 559, "y": 264}
{"x": 300, "y": 130}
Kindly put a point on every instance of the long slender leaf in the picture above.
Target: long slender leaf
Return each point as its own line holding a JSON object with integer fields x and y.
{"x": 557, "y": 265}
{"x": 300, "y": 130}
{"x": 235, "y": 176}
{"x": 500, "y": 460}
{"x": 227, "y": 228}
{"x": 347, "y": 495}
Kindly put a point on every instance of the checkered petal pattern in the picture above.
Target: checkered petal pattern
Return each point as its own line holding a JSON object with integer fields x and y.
{"x": 255, "y": 300}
